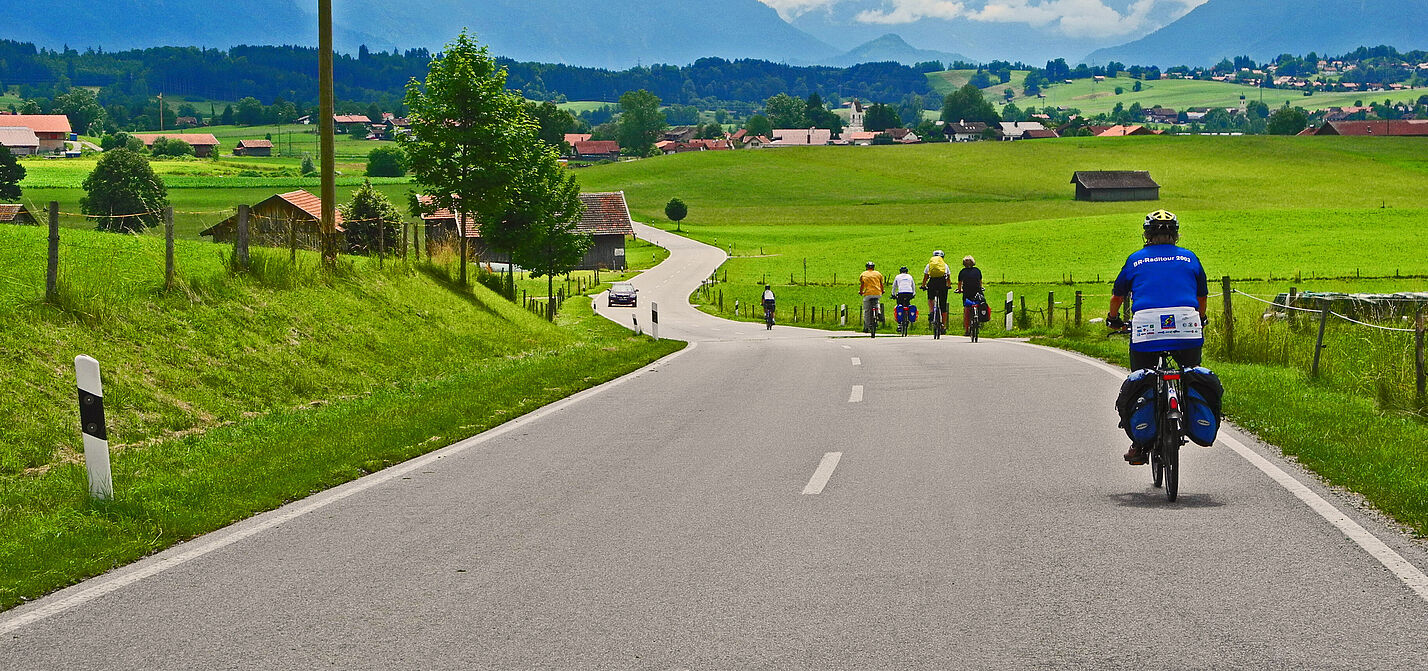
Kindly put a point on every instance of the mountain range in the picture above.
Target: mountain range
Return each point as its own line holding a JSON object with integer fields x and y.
{"x": 620, "y": 34}
{"x": 1263, "y": 29}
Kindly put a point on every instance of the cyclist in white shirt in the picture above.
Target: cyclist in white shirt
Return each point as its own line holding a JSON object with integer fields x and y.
{"x": 904, "y": 287}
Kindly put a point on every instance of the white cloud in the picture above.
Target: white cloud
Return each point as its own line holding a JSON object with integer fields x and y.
{"x": 1074, "y": 18}
{"x": 791, "y": 9}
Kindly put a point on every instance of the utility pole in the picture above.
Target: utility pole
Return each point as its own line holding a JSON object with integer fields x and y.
{"x": 329, "y": 179}
{"x": 161, "y": 112}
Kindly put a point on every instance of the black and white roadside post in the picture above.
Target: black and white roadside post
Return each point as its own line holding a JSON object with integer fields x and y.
{"x": 1011, "y": 305}
{"x": 91, "y": 423}
{"x": 654, "y": 320}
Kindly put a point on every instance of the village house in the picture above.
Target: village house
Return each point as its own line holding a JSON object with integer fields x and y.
{"x": 572, "y": 138}
{"x": 679, "y": 134}
{"x": 606, "y": 219}
{"x": 1014, "y": 130}
{"x": 965, "y": 131}
{"x": 1114, "y": 185}
{"x": 351, "y": 123}
{"x": 861, "y": 138}
{"x": 1042, "y": 134}
{"x": 902, "y": 136}
{"x": 284, "y": 220}
{"x": 186, "y": 122}
{"x": 15, "y": 213}
{"x": 597, "y": 150}
{"x": 253, "y": 148}
{"x": 1123, "y": 131}
{"x": 50, "y": 129}
{"x": 801, "y": 137}
{"x": 1163, "y": 115}
{"x": 19, "y": 140}
{"x": 1399, "y": 127}
{"x": 203, "y": 143}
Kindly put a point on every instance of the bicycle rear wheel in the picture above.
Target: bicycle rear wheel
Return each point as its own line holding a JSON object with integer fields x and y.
{"x": 1171, "y": 461}
{"x": 936, "y": 324}
{"x": 1157, "y": 468}
{"x": 974, "y": 327}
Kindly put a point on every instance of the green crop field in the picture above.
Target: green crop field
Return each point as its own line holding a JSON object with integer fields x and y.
{"x": 578, "y": 106}
{"x": 1100, "y": 97}
{"x": 948, "y": 81}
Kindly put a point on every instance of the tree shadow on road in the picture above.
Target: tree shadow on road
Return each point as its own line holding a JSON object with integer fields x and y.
{"x": 1155, "y": 498}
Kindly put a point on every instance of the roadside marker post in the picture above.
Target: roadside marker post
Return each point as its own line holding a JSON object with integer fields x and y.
{"x": 91, "y": 424}
{"x": 636, "y": 320}
{"x": 1011, "y": 305}
{"x": 654, "y": 320}
{"x": 843, "y": 314}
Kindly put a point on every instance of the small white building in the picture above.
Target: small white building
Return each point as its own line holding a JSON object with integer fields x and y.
{"x": 21, "y": 141}
{"x": 1014, "y": 130}
{"x": 801, "y": 137}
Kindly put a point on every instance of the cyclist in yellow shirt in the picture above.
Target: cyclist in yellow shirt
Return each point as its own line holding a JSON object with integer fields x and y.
{"x": 870, "y": 287}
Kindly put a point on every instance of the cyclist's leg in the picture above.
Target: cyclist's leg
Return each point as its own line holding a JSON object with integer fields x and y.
{"x": 1139, "y": 360}
{"x": 1190, "y": 357}
{"x": 868, "y": 302}
{"x": 966, "y": 317}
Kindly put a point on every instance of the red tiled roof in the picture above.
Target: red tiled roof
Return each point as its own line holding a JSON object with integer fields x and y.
{"x": 195, "y": 139}
{"x": 1380, "y": 128}
{"x": 473, "y": 229}
{"x": 255, "y": 144}
{"x": 572, "y": 138}
{"x": 605, "y": 214}
{"x": 310, "y": 205}
{"x": 597, "y": 147}
{"x": 40, "y": 123}
{"x": 11, "y": 212}
{"x": 1043, "y": 134}
{"x": 350, "y": 118}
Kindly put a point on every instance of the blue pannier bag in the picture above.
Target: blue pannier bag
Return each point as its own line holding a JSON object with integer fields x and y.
{"x": 1203, "y": 397}
{"x": 1136, "y": 406}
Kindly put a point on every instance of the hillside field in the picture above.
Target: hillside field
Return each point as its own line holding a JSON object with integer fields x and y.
{"x": 1179, "y": 94}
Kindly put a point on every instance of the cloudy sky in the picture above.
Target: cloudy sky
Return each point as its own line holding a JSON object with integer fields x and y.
{"x": 1070, "y": 18}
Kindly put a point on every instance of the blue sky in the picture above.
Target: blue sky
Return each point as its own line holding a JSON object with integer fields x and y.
{"x": 1089, "y": 19}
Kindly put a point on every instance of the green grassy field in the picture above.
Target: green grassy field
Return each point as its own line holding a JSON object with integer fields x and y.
{"x": 1098, "y": 98}
{"x": 235, "y": 393}
{"x": 948, "y": 81}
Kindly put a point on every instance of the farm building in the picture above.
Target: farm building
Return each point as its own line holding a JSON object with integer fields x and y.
{"x": 14, "y": 213}
{"x": 597, "y": 150}
{"x": 606, "y": 219}
{"x": 292, "y": 218}
{"x": 1410, "y": 127}
{"x": 253, "y": 148}
{"x": 351, "y": 123}
{"x": 21, "y": 141}
{"x": 50, "y": 129}
{"x": 203, "y": 143}
{"x": 1115, "y": 185}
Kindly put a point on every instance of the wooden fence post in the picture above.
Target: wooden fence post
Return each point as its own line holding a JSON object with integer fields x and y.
{"x": 1293, "y": 293}
{"x": 1025, "y": 319}
{"x": 52, "y": 262}
{"x": 1229, "y": 316}
{"x": 1050, "y": 308}
{"x": 1418, "y": 360}
{"x": 240, "y": 246}
{"x": 292, "y": 240}
{"x": 381, "y": 240}
{"x": 1078, "y": 307}
{"x": 168, "y": 248}
{"x": 1319, "y": 344}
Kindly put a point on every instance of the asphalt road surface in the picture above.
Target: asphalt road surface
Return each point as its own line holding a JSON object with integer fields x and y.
{"x": 785, "y": 500}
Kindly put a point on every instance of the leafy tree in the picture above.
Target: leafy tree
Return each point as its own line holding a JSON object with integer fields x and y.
{"x": 710, "y": 131}
{"x": 786, "y": 111}
{"x": 227, "y": 118}
{"x": 85, "y": 114}
{"x": 121, "y": 140}
{"x": 641, "y": 122}
{"x": 879, "y": 117}
{"x": 122, "y": 183}
{"x": 1012, "y": 113}
{"x": 553, "y": 124}
{"x": 981, "y": 80}
{"x": 606, "y": 131}
{"x": 1287, "y": 121}
{"x": 540, "y": 226}
{"x": 1120, "y": 90}
{"x": 930, "y": 131}
{"x": 909, "y": 111}
{"x": 168, "y": 146}
{"x": 249, "y": 112}
{"x": 821, "y": 117}
{"x": 1137, "y": 86}
{"x": 369, "y": 210}
{"x": 307, "y": 166}
{"x": 373, "y": 112}
{"x": 682, "y": 115}
{"x": 386, "y": 162}
{"x": 968, "y": 104}
{"x": 11, "y": 172}
{"x": 675, "y": 210}
{"x": 470, "y": 136}
{"x": 758, "y": 124}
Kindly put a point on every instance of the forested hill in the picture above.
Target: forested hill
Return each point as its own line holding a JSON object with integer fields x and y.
{"x": 290, "y": 73}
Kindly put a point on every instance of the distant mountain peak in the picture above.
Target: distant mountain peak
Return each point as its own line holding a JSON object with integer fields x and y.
{"x": 891, "y": 47}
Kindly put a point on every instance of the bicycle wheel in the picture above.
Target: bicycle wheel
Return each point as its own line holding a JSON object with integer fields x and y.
{"x": 1171, "y": 459}
{"x": 1157, "y": 468}
{"x": 974, "y": 327}
{"x": 936, "y": 324}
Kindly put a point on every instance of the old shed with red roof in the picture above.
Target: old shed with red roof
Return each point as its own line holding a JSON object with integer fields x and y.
{"x": 606, "y": 219}
{"x": 203, "y": 143}
{"x": 292, "y": 218}
{"x": 50, "y": 129}
{"x": 253, "y": 148}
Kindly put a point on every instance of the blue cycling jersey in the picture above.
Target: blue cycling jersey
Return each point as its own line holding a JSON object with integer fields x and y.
{"x": 1162, "y": 276}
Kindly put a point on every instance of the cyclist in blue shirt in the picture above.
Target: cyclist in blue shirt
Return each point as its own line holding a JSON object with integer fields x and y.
{"x": 1168, "y": 292}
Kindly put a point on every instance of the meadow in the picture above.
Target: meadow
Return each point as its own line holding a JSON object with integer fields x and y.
{"x": 1093, "y": 97}
{"x": 237, "y": 391}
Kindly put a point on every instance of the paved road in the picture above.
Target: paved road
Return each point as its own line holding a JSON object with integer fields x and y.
{"x": 670, "y": 521}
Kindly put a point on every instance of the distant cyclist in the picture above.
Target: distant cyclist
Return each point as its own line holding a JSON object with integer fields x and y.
{"x": 904, "y": 287}
{"x": 768, "y": 305}
{"x": 870, "y": 287}
{"x": 969, "y": 284}
{"x": 935, "y": 281}
{"x": 1168, "y": 292}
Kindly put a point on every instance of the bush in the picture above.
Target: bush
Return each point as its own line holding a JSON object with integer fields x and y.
{"x": 386, "y": 162}
{"x": 307, "y": 167}
{"x": 123, "y": 194}
{"x": 676, "y": 210}
{"x": 166, "y": 146}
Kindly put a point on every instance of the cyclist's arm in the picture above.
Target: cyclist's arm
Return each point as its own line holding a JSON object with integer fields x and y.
{"x": 1115, "y": 310}
{"x": 1204, "y": 303}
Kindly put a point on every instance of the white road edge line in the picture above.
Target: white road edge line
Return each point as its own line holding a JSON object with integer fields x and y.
{"x": 822, "y": 473}
{"x": 1409, "y": 574}
{"x": 857, "y": 361}
{"x": 855, "y": 396}
{"x": 178, "y": 555}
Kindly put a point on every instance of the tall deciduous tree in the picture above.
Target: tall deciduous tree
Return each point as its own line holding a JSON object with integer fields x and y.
{"x": 1288, "y": 121}
{"x": 968, "y": 104}
{"x": 641, "y": 122}
{"x": 786, "y": 111}
{"x": 11, "y": 172}
{"x": 469, "y": 136}
{"x": 123, "y": 194}
{"x": 758, "y": 124}
{"x": 554, "y": 123}
{"x": 540, "y": 228}
{"x": 86, "y": 115}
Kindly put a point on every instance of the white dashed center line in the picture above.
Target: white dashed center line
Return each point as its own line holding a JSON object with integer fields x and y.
{"x": 822, "y": 473}
{"x": 857, "y": 394}
{"x": 857, "y": 361}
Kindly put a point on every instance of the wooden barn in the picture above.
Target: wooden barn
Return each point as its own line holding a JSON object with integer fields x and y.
{"x": 1115, "y": 185}
{"x": 287, "y": 219}
{"x": 253, "y": 148}
{"x": 203, "y": 144}
{"x": 14, "y": 213}
{"x": 606, "y": 219}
